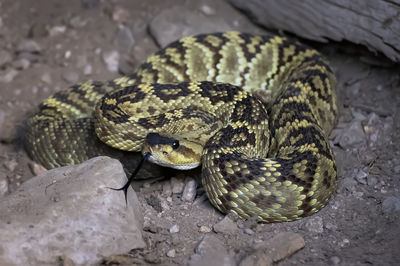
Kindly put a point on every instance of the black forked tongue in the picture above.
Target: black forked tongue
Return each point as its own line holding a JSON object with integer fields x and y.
{"x": 128, "y": 183}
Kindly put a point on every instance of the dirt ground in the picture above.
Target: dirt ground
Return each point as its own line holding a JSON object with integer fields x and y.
{"x": 71, "y": 41}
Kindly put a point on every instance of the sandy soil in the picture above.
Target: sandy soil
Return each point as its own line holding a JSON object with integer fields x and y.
{"x": 360, "y": 226}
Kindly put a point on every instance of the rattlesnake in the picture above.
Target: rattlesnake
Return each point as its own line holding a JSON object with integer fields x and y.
{"x": 265, "y": 157}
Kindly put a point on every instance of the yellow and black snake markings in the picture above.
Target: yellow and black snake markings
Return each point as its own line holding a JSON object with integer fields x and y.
{"x": 267, "y": 158}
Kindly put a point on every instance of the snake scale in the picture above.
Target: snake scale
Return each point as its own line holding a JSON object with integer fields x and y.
{"x": 266, "y": 157}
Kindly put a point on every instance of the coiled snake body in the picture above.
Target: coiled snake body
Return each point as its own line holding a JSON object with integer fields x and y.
{"x": 265, "y": 157}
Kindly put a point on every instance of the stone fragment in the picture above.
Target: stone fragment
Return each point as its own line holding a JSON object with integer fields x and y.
{"x": 70, "y": 76}
{"x": 361, "y": 177}
{"x": 124, "y": 39}
{"x": 314, "y": 224}
{"x": 391, "y": 204}
{"x": 8, "y": 76}
{"x": 120, "y": 15}
{"x": 174, "y": 229}
{"x": 211, "y": 251}
{"x": 257, "y": 258}
{"x": 36, "y": 169}
{"x": 28, "y": 45}
{"x": 5, "y": 57}
{"x": 226, "y": 226}
{"x": 71, "y": 212}
{"x": 3, "y": 185}
{"x": 10, "y": 165}
{"x": 281, "y": 246}
{"x": 177, "y": 185}
{"x": 352, "y": 134}
{"x": 21, "y": 64}
{"x": 111, "y": 59}
{"x": 171, "y": 253}
{"x": 189, "y": 191}
{"x": 204, "y": 229}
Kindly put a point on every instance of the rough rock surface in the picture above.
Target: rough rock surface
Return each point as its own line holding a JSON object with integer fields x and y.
{"x": 197, "y": 17}
{"x": 70, "y": 211}
{"x": 373, "y": 23}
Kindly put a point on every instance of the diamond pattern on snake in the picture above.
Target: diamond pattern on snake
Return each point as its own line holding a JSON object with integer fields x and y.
{"x": 252, "y": 111}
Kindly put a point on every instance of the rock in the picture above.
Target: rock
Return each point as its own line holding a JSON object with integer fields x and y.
{"x": 36, "y": 169}
{"x": 177, "y": 185}
{"x": 226, "y": 226}
{"x": 57, "y": 30}
{"x": 3, "y": 185}
{"x": 378, "y": 130}
{"x": 167, "y": 189}
{"x": 314, "y": 224}
{"x": 197, "y": 17}
{"x": 281, "y": 246}
{"x": 21, "y": 64}
{"x": 248, "y": 231}
{"x": 211, "y": 251}
{"x": 257, "y": 258}
{"x": 5, "y": 57}
{"x": 111, "y": 59}
{"x": 391, "y": 204}
{"x": 361, "y": 177}
{"x": 90, "y": 3}
{"x": 174, "y": 229}
{"x": 396, "y": 169}
{"x": 8, "y": 76}
{"x": 28, "y": 45}
{"x": 46, "y": 78}
{"x": 70, "y": 76}
{"x": 372, "y": 181}
{"x": 124, "y": 39}
{"x": 189, "y": 191}
{"x": 204, "y": 229}
{"x": 120, "y": 15}
{"x": 70, "y": 211}
{"x": 87, "y": 70}
{"x": 171, "y": 253}
{"x": 10, "y": 165}
{"x": 335, "y": 260}
{"x": 352, "y": 135}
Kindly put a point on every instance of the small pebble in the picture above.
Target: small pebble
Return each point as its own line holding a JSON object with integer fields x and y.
{"x": 3, "y": 186}
{"x": 248, "y": 231}
{"x": 174, "y": 229}
{"x": 111, "y": 59}
{"x": 11, "y": 165}
{"x": 70, "y": 76}
{"x": 189, "y": 192}
{"x": 87, "y": 70}
{"x": 391, "y": 204}
{"x": 21, "y": 64}
{"x": 29, "y": 46}
{"x": 171, "y": 253}
{"x": 8, "y": 76}
{"x": 361, "y": 177}
{"x": 5, "y": 57}
{"x": 124, "y": 39}
{"x": 315, "y": 225}
{"x": 177, "y": 185}
{"x": 335, "y": 260}
{"x": 204, "y": 229}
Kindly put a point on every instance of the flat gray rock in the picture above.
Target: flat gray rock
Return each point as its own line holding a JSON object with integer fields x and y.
{"x": 70, "y": 212}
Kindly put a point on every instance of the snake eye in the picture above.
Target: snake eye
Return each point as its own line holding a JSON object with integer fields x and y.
{"x": 175, "y": 145}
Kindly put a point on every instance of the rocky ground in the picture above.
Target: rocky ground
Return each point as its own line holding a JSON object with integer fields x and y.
{"x": 48, "y": 45}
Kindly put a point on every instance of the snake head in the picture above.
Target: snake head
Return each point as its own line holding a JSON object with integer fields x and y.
{"x": 174, "y": 152}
